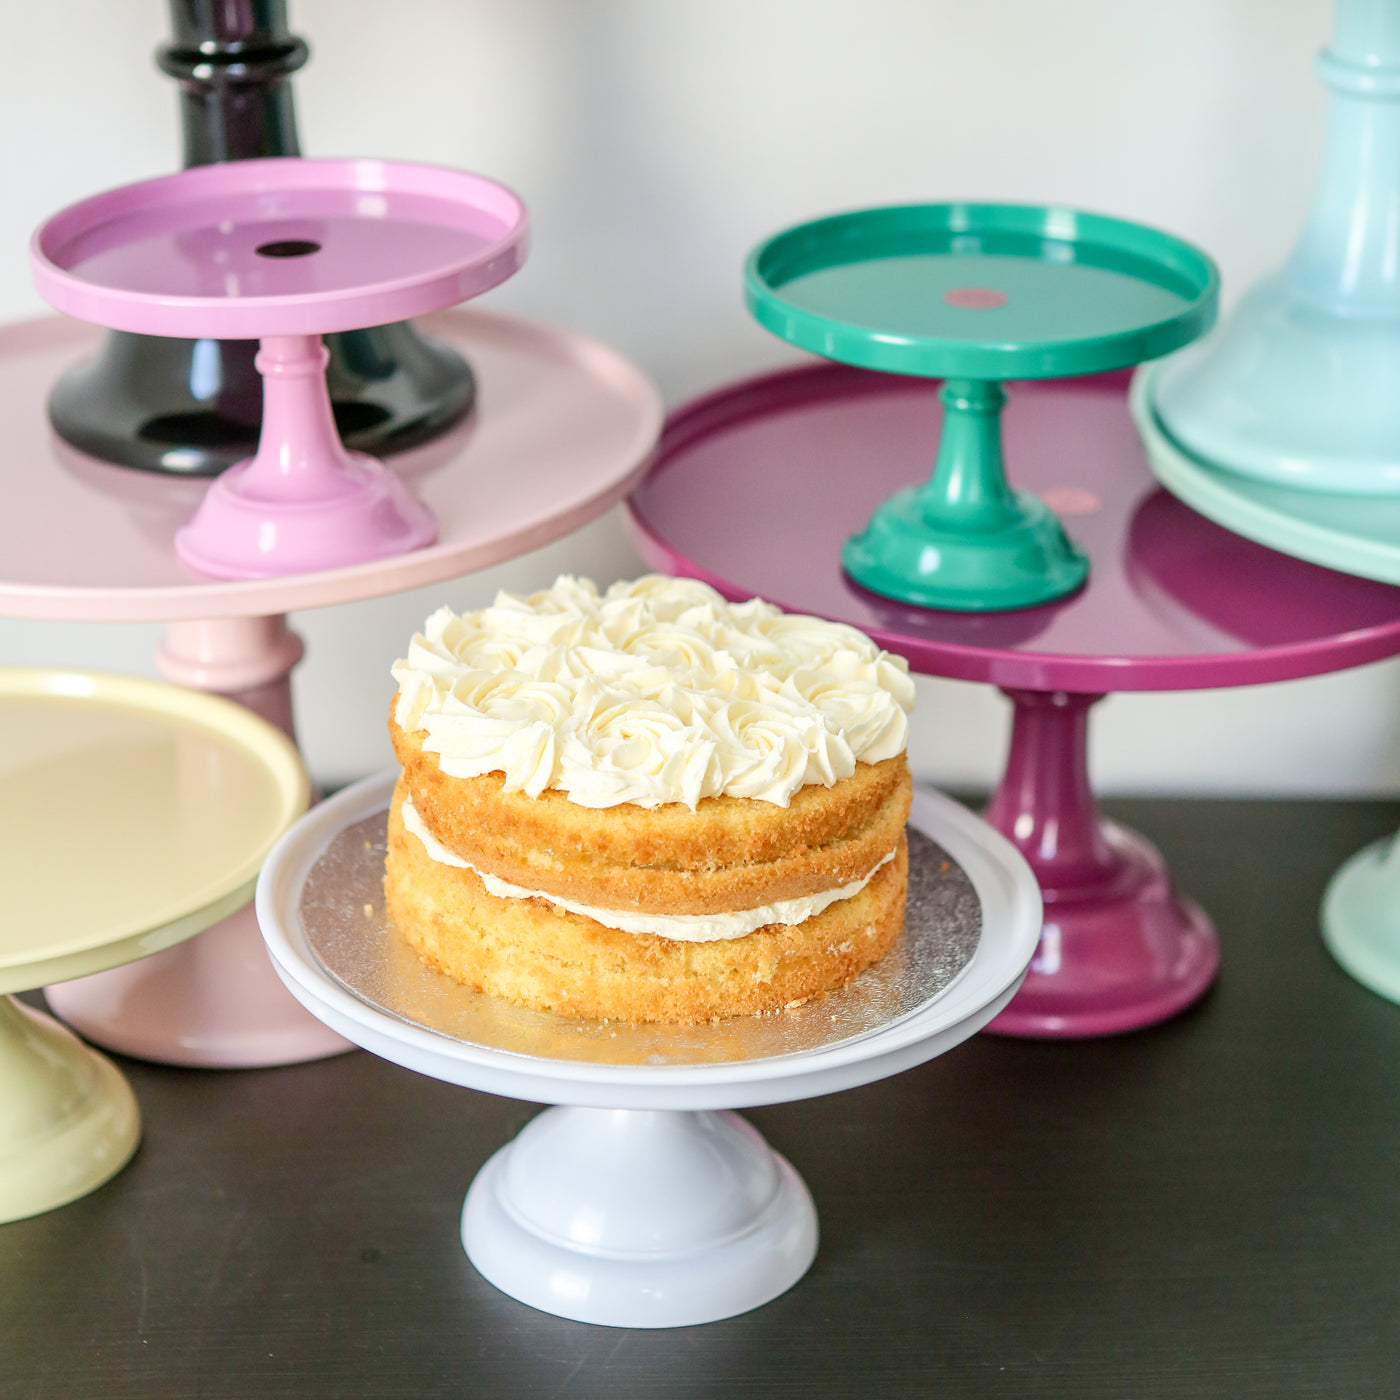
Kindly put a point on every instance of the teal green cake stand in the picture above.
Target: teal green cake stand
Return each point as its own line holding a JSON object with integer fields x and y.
{"x": 976, "y": 294}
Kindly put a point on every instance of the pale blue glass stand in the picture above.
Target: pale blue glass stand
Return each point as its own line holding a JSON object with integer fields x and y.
{"x": 1285, "y": 424}
{"x": 1297, "y": 387}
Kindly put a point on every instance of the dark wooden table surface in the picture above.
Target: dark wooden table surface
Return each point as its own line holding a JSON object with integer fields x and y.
{"x": 1211, "y": 1208}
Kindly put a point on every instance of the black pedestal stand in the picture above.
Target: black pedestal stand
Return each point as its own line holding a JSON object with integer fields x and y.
{"x": 194, "y": 407}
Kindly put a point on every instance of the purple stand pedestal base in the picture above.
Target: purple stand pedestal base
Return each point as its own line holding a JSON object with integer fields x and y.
{"x": 1119, "y": 949}
{"x": 214, "y": 1002}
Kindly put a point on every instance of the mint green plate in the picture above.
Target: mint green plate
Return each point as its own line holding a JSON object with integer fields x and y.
{"x": 1361, "y": 917}
{"x": 1351, "y": 533}
{"x": 974, "y": 294}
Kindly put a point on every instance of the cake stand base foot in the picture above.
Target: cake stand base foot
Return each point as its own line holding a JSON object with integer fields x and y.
{"x": 213, "y": 1001}
{"x": 236, "y": 534}
{"x": 966, "y": 541}
{"x": 1361, "y": 917}
{"x": 631, "y": 1218}
{"x": 1029, "y": 560}
{"x": 302, "y": 503}
{"x": 1115, "y": 958}
{"x": 68, "y": 1120}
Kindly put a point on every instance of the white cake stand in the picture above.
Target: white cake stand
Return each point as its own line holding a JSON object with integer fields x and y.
{"x": 640, "y": 1201}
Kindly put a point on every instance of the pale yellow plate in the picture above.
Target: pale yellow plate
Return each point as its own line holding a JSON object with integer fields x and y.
{"x": 133, "y": 814}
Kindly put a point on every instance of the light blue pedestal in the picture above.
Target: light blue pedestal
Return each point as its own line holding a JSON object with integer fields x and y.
{"x": 1361, "y": 917}
{"x": 1298, "y": 385}
{"x": 1284, "y": 425}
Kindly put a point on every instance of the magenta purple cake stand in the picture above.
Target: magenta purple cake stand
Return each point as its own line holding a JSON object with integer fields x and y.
{"x": 755, "y": 488}
{"x": 562, "y": 431}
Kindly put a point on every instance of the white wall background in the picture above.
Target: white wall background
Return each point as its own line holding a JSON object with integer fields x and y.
{"x": 656, "y": 141}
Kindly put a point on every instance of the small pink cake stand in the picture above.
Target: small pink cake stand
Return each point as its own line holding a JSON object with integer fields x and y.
{"x": 284, "y": 250}
{"x": 755, "y": 488}
{"x": 562, "y": 431}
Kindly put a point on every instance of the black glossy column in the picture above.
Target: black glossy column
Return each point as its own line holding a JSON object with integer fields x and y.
{"x": 193, "y": 407}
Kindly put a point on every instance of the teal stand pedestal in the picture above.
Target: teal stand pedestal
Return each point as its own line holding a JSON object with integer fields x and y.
{"x": 975, "y": 295}
{"x": 965, "y": 540}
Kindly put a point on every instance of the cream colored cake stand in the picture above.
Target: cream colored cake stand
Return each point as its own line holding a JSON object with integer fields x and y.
{"x": 133, "y": 814}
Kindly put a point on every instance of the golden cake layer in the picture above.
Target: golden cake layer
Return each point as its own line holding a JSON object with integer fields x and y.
{"x": 532, "y": 952}
{"x": 727, "y": 853}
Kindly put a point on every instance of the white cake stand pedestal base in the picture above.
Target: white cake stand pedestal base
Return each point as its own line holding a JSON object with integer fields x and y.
{"x": 637, "y": 1218}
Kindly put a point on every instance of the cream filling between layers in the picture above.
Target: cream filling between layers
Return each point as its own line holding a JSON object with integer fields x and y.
{"x": 686, "y": 928}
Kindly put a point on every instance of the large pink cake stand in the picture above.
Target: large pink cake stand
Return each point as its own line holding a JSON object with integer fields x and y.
{"x": 755, "y": 488}
{"x": 562, "y": 431}
{"x": 284, "y": 250}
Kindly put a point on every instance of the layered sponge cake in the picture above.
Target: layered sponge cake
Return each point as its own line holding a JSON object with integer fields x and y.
{"x": 649, "y": 804}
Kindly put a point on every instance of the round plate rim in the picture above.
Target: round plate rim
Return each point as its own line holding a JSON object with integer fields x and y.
{"x": 201, "y": 598}
{"x": 997, "y": 967}
{"x": 1219, "y": 495}
{"x": 933, "y": 357}
{"x": 1028, "y": 670}
{"x": 226, "y": 718}
{"x": 294, "y": 313}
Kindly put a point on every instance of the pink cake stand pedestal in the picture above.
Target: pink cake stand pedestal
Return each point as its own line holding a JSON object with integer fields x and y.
{"x": 562, "y": 430}
{"x": 283, "y": 251}
{"x": 755, "y": 488}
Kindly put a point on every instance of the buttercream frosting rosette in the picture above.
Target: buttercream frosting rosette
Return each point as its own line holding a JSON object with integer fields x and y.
{"x": 599, "y": 785}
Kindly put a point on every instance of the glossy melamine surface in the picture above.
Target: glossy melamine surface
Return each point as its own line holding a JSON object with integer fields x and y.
{"x": 981, "y": 291}
{"x": 279, "y": 246}
{"x": 564, "y": 428}
{"x": 756, "y": 487}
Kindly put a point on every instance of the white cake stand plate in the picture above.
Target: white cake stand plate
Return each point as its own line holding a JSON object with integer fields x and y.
{"x": 641, "y": 1201}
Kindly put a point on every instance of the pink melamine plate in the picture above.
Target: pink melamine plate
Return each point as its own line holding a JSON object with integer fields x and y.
{"x": 562, "y": 430}
{"x": 285, "y": 250}
{"x": 282, "y": 246}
